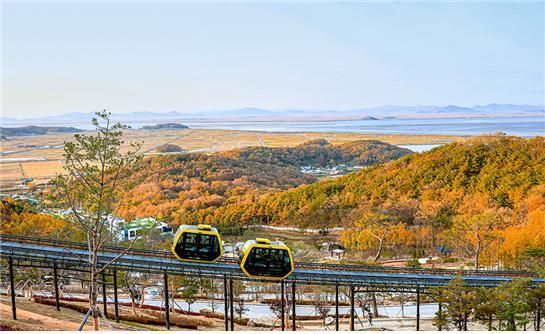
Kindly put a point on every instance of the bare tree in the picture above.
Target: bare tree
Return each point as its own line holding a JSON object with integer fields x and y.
{"x": 240, "y": 308}
{"x": 92, "y": 186}
{"x": 322, "y": 308}
{"x": 211, "y": 293}
{"x": 136, "y": 292}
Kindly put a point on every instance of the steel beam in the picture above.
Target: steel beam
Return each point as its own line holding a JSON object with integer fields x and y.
{"x": 104, "y": 298}
{"x": 56, "y": 282}
{"x": 49, "y": 252}
{"x": 293, "y": 304}
{"x": 167, "y": 306}
{"x": 337, "y": 307}
{"x": 12, "y": 289}
{"x": 417, "y": 309}
{"x": 352, "y": 292}
{"x": 225, "y": 308}
{"x": 231, "y": 305}
{"x": 282, "y": 306}
{"x": 116, "y": 301}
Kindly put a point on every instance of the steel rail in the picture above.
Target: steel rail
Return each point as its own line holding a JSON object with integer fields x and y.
{"x": 74, "y": 258}
{"x": 299, "y": 265}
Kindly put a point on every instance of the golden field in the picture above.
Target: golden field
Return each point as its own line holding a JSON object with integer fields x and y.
{"x": 43, "y": 161}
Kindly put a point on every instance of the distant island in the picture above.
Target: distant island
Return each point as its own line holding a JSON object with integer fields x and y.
{"x": 36, "y": 130}
{"x": 165, "y": 120}
{"x": 169, "y": 148}
{"x": 165, "y": 126}
{"x": 369, "y": 118}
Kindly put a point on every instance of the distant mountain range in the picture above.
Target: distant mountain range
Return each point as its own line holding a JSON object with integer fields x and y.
{"x": 257, "y": 114}
{"x": 36, "y": 130}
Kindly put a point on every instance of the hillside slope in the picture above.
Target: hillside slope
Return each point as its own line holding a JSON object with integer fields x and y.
{"x": 189, "y": 187}
{"x": 465, "y": 195}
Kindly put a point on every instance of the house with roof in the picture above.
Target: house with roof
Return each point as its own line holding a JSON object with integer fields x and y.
{"x": 131, "y": 230}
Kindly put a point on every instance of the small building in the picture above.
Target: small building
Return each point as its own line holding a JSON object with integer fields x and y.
{"x": 329, "y": 246}
{"x": 443, "y": 251}
{"x": 130, "y": 230}
{"x": 337, "y": 253}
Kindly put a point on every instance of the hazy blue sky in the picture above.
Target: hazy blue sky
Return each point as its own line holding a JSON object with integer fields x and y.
{"x": 60, "y": 58}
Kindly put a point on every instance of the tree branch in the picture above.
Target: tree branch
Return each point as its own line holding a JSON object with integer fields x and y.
{"x": 118, "y": 256}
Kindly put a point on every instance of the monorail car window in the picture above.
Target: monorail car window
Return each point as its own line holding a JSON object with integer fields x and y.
{"x": 198, "y": 246}
{"x": 268, "y": 262}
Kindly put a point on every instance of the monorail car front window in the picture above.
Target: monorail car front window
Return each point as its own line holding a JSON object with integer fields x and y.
{"x": 194, "y": 246}
{"x": 268, "y": 262}
{"x": 190, "y": 242}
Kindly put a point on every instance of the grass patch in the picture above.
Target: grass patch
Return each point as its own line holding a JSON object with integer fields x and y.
{"x": 137, "y": 325}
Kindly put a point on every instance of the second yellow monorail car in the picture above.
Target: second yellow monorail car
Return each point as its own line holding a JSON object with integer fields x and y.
{"x": 197, "y": 243}
{"x": 262, "y": 258}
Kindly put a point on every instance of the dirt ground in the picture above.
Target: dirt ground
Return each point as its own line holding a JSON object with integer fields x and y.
{"x": 32, "y": 316}
{"x": 29, "y": 319}
{"x": 36, "y": 317}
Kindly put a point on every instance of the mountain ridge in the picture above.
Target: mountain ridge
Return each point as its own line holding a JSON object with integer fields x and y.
{"x": 259, "y": 114}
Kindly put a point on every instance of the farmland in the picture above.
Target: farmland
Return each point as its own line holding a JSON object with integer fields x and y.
{"x": 40, "y": 157}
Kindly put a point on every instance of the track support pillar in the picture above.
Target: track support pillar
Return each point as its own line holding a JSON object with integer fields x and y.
{"x": 282, "y": 306}
{"x": 104, "y": 298}
{"x": 352, "y": 292}
{"x": 116, "y": 301}
{"x": 225, "y": 307}
{"x": 167, "y": 306}
{"x": 231, "y": 311}
{"x": 337, "y": 306}
{"x": 417, "y": 309}
{"x": 293, "y": 313}
{"x": 12, "y": 289}
{"x": 56, "y": 282}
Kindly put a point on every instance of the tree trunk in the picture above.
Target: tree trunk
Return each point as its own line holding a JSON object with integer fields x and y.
{"x": 94, "y": 288}
{"x": 142, "y": 296}
{"x": 380, "y": 246}
{"x": 133, "y": 304}
{"x": 433, "y": 235}
{"x": 375, "y": 307}
{"x": 512, "y": 324}
{"x": 477, "y": 253}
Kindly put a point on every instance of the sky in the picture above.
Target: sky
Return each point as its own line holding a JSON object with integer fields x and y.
{"x": 194, "y": 57}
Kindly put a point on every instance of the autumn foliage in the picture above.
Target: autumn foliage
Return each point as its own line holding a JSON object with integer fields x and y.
{"x": 20, "y": 219}
{"x": 483, "y": 198}
{"x": 197, "y": 187}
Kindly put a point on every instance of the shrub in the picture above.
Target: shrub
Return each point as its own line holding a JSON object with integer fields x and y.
{"x": 413, "y": 263}
{"x": 168, "y": 148}
{"x": 450, "y": 260}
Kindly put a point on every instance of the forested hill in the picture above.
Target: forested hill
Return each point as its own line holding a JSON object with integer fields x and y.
{"x": 32, "y": 130}
{"x": 192, "y": 186}
{"x": 489, "y": 190}
{"x": 320, "y": 152}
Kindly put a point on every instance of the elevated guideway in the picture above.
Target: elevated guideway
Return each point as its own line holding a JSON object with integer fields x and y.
{"x": 72, "y": 256}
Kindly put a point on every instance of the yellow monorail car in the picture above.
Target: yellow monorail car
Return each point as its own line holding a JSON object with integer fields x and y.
{"x": 262, "y": 258}
{"x": 197, "y": 243}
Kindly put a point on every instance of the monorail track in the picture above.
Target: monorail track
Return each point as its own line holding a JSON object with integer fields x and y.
{"x": 71, "y": 256}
